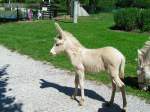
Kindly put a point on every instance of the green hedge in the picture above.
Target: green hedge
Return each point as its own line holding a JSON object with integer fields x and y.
{"x": 142, "y": 3}
{"x": 124, "y": 3}
{"x": 106, "y": 5}
{"x": 145, "y": 20}
{"x": 133, "y": 3}
{"x": 101, "y": 5}
{"x": 132, "y": 18}
{"x": 126, "y": 19}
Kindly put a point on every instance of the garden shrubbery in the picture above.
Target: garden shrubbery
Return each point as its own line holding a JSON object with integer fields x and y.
{"x": 145, "y": 20}
{"x": 132, "y": 18}
{"x": 133, "y": 3}
{"x": 124, "y": 3}
{"x": 142, "y": 3}
{"x": 126, "y": 19}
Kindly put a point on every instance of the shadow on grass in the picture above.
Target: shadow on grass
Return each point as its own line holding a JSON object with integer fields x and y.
{"x": 7, "y": 104}
{"x": 63, "y": 21}
{"x": 5, "y": 21}
{"x": 89, "y": 93}
{"x": 116, "y": 28}
{"x": 132, "y": 82}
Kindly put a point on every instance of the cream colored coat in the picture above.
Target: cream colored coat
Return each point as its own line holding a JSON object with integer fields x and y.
{"x": 84, "y": 60}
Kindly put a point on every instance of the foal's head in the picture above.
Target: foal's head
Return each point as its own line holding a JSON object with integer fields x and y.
{"x": 143, "y": 64}
{"x": 64, "y": 41}
{"x": 59, "y": 41}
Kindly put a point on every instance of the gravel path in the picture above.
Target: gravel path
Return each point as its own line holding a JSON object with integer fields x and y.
{"x": 32, "y": 86}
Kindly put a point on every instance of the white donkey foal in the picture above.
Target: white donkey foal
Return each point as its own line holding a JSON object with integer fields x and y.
{"x": 106, "y": 59}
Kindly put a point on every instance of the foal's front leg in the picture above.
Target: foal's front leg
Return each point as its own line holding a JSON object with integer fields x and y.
{"x": 81, "y": 83}
{"x": 76, "y": 82}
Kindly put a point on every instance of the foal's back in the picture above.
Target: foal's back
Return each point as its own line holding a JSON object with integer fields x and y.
{"x": 96, "y": 60}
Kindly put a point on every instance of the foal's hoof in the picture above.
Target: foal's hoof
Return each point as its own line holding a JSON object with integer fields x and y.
{"x": 108, "y": 104}
{"x": 123, "y": 110}
{"x": 81, "y": 102}
{"x": 73, "y": 97}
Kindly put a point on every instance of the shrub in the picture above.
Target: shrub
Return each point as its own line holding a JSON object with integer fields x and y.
{"x": 141, "y": 3}
{"x": 124, "y": 3}
{"x": 99, "y": 5}
{"x": 132, "y": 18}
{"x": 106, "y": 5}
{"x": 145, "y": 20}
{"x": 126, "y": 19}
{"x": 133, "y": 3}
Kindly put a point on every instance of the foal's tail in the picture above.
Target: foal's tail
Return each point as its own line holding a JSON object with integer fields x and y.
{"x": 118, "y": 80}
{"x": 121, "y": 69}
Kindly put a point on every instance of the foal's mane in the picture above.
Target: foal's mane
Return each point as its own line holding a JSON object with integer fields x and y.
{"x": 73, "y": 39}
{"x": 146, "y": 52}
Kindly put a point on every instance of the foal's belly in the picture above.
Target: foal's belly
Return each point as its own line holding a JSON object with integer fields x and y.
{"x": 94, "y": 67}
{"x": 92, "y": 61}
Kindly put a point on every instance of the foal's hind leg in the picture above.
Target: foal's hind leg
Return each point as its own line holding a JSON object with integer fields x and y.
{"x": 81, "y": 83}
{"x": 76, "y": 81}
{"x": 124, "y": 98}
{"x": 113, "y": 94}
{"x": 121, "y": 85}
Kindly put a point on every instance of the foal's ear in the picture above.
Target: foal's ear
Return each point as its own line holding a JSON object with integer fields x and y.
{"x": 139, "y": 52}
{"x": 59, "y": 30}
{"x": 56, "y": 39}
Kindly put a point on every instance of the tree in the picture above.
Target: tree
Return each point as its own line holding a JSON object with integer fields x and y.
{"x": 33, "y": 1}
{"x": 92, "y": 6}
{"x": 12, "y": 1}
{"x": 68, "y": 6}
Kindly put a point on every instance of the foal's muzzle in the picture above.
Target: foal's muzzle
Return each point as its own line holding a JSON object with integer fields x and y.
{"x": 52, "y": 51}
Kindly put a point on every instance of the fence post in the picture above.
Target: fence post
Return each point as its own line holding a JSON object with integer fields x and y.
{"x": 75, "y": 12}
{"x": 17, "y": 13}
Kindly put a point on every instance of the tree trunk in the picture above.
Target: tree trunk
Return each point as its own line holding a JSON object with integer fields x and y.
{"x": 68, "y": 7}
{"x": 92, "y": 6}
{"x": 75, "y": 12}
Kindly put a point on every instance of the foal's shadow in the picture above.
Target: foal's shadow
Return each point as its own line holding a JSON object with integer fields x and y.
{"x": 89, "y": 93}
{"x": 69, "y": 90}
{"x": 113, "y": 108}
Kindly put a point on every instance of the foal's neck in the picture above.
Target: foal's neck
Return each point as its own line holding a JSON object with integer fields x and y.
{"x": 73, "y": 49}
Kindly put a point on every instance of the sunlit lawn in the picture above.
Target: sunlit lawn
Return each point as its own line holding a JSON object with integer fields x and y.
{"x": 36, "y": 38}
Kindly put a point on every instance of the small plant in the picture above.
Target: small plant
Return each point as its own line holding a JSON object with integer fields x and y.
{"x": 141, "y": 3}
{"x": 126, "y": 19}
{"x": 124, "y": 3}
{"x": 133, "y": 3}
{"x": 145, "y": 20}
{"x": 132, "y": 18}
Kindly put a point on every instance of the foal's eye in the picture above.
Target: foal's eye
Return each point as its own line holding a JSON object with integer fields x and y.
{"x": 57, "y": 44}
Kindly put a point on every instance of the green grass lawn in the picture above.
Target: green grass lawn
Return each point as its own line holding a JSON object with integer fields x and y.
{"x": 36, "y": 38}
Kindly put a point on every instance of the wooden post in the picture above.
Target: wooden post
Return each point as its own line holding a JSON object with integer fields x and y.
{"x": 75, "y": 12}
{"x": 17, "y": 13}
